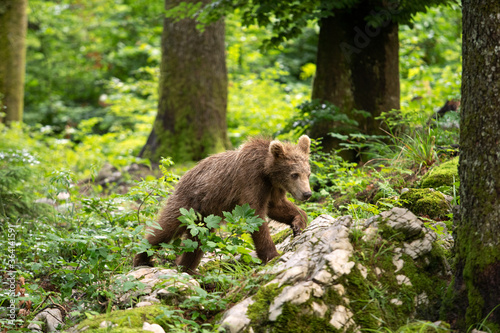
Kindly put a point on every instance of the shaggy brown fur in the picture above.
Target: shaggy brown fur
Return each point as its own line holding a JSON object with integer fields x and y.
{"x": 258, "y": 173}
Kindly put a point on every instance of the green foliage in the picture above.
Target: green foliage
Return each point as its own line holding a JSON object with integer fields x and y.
{"x": 209, "y": 236}
{"x": 417, "y": 148}
{"x": 316, "y": 112}
{"x": 331, "y": 174}
{"x": 431, "y": 62}
{"x": 15, "y": 192}
{"x": 67, "y": 67}
{"x": 287, "y": 20}
{"x": 259, "y": 105}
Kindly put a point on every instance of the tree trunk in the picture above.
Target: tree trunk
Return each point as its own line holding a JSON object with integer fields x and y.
{"x": 191, "y": 119}
{"x": 13, "y": 26}
{"x": 474, "y": 294}
{"x": 357, "y": 69}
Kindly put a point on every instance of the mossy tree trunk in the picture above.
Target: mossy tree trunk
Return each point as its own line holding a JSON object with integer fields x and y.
{"x": 474, "y": 294}
{"x": 13, "y": 25}
{"x": 191, "y": 120}
{"x": 357, "y": 69}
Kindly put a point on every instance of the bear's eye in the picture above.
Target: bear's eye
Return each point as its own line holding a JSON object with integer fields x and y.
{"x": 295, "y": 175}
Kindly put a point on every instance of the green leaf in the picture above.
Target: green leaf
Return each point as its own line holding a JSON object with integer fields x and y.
{"x": 189, "y": 245}
{"x": 212, "y": 221}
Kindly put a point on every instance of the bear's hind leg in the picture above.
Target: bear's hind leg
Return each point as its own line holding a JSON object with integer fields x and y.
{"x": 170, "y": 230}
{"x": 190, "y": 261}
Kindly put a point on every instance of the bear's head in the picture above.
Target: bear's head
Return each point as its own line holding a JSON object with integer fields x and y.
{"x": 289, "y": 167}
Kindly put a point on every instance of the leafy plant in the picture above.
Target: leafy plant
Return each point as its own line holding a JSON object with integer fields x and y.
{"x": 417, "y": 148}
{"x": 226, "y": 242}
{"x": 315, "y": 112}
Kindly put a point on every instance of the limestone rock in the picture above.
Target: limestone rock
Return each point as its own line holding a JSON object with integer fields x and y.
{"x": 341, "y": 318}
{"x": 52, "y": 319}
{"x": 155, "y": 328}
{"x": 153, "y": 284}
{"x": 327, "y": 274}
{"x": 402, "y": 220}
{"x": 297, "y": 294}
{"x": 235, "y": 319}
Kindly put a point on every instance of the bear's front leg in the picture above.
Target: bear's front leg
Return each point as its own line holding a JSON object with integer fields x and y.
{"x": 286, "y": 212}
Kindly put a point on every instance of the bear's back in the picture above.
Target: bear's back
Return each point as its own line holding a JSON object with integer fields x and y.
{"x": 224, "y": 180}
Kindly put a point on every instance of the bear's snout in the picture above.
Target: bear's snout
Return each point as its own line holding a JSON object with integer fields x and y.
{"x": 306, "y": 195}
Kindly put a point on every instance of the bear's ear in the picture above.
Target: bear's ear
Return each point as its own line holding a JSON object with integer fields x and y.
{"x": 304, "y": 144}
{"x": 277, "y": 149}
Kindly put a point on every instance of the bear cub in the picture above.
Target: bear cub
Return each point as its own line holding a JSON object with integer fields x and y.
{"x": 259, "y": 173}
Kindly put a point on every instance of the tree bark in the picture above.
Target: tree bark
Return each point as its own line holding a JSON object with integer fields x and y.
{"x": 474, "y": 294}
{"x": 13, "y": 26}
{"x": 357, "y": 69}
{"x": 191, "y": 120}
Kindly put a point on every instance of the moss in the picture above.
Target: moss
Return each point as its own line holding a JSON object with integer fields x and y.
{"x": 425, "y": 202}
{"x": 427, "y": 276}
{"x": 258, "y": 312}
{"x": 390, "y": 234}
{"x": 475, "y": 267}
{"x": 294, "y": 320}
{"x": 127, "y": 320}
{"x": 281, "y": 236}
{"x": 444, "y": 174}
{"x": 362, "y": 304}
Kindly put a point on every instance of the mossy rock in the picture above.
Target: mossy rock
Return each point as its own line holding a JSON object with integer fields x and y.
{"x": 425, "y": 202}
{"x": 442, "y": 175}
{"x": 130, "y": 320}
{"x": 281, "y": 236}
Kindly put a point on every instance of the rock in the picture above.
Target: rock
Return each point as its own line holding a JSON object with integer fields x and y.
{"x": 402, "y": 220}
{"x": 152, "y": 328}
{"x": 149, "y": 299}
{"x": 319, "y": 309}
{"x": 52, "y": 318}
{"x": 420, "y": 246}
{"x": 401, "y": 279}
{"x": 46, "y": 201}
{"x": 152, "y": 284}
{"x": 141, "y": 304}
{"x": 107, "y": 324}
{"x": 396, "y": 301}
{"x": 297, "y": 294}
{"x": 342, "y": 318}
{"x": 236, "y": 320}
{"x": 333, "y": 279}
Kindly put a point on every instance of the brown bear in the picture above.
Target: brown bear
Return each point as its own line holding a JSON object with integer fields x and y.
{"x": 259, "y": 173}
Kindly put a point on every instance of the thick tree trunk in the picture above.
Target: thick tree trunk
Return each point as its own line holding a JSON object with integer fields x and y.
{"x": 474, "y": 294}
{"x": 357, "y": 69}
{"x": 191, "y": 119}
{"x": 13, "y": 25}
